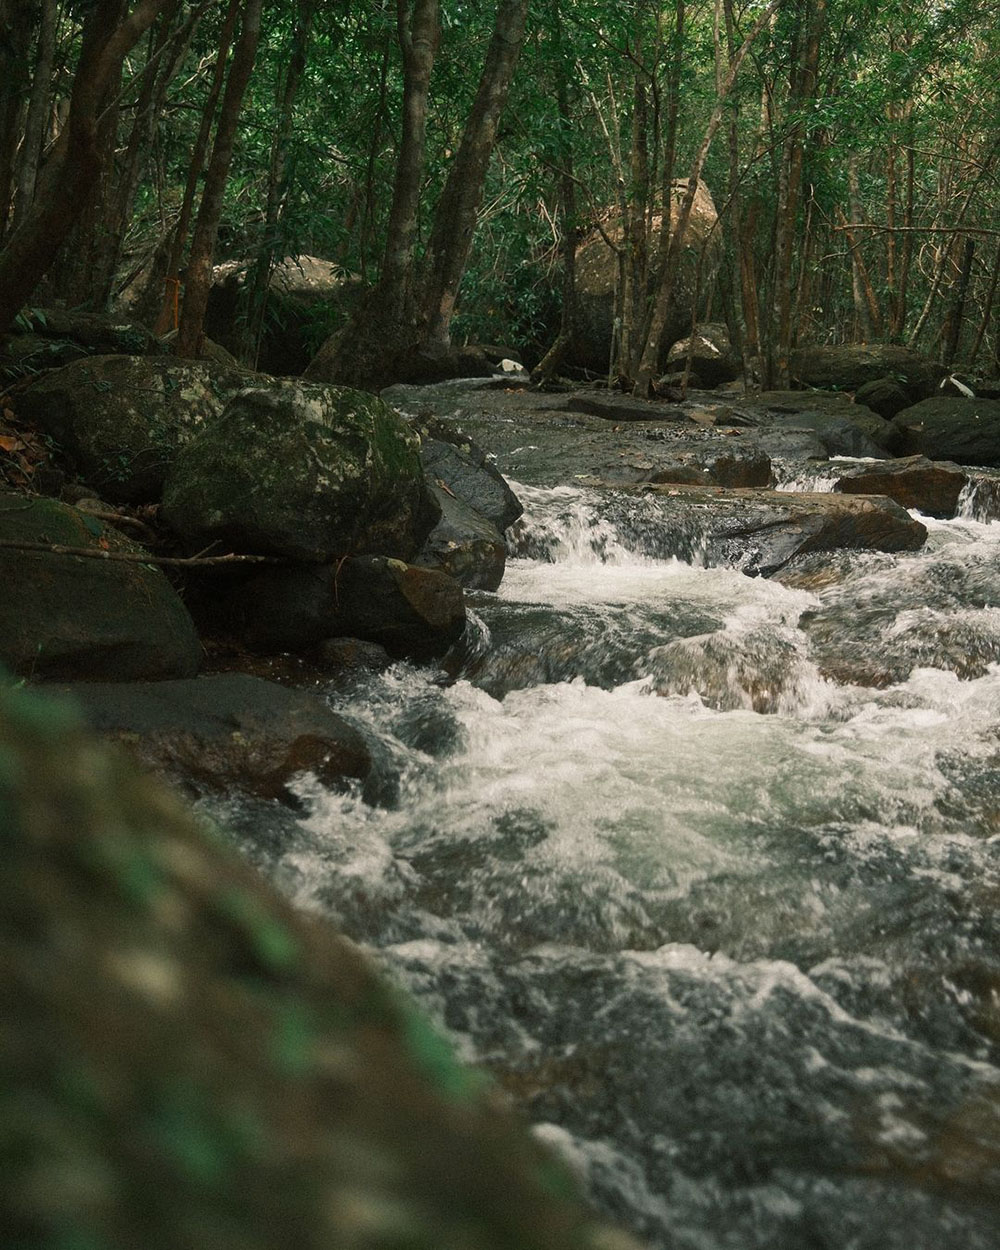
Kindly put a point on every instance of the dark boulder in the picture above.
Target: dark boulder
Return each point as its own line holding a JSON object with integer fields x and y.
{"x": 949, "y": 428}
{"x": 884, "y": 396}
{"x": 463, "y": 544}
{"x": 712, "y": 464}
{"x": 932, "y": 487}
{"x": 710, "y": 353}
{"x": 457, "y": 463}
{"x": 121, "y": 420}
{"x": 850, "y": 365}
{"x": 226, "y": 731}
{"x": 801, "y": 432}
{"x": 91, "y": 618}
{"x": 189, "y": 1062}
{"x": 304, "y": 471}
{"x": 97, "y": 333}
{"x": 410, "y": 611}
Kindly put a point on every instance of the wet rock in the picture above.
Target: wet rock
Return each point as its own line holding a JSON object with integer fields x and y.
{"x": 463, "y": 544}
{"x": 351, "y": 657}
{"x": 408, "y": 610}
{"x": 948, "y": 428}
{"x": 710, "y": 353}
{"x": 69, "y": 617}
{"x": 932, "y": 487}
{"x": 802, "y": 433}
{"x": 884, "y": 396}
{"x": 121, "y": 420}
{"x": 732, "y": 464}
{"x": 850, "y": 365}
{"x": 760, "y": 531}
{"x": 304, "y": 471}
{"x": 456, "y": 462}
{"x": 226, "y": 731}
{"x": 185, "y": 1057}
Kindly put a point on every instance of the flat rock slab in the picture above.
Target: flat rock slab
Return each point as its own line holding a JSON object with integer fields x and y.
{"x": 932, "y": 487}
{"x": 227, "y": 731}
{"x": 760, "y": 531}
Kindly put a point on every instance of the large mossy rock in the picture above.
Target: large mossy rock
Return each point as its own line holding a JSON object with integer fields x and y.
{"x": 849, "y": 366}
{"x": 187, "y": 1062}
{"x": 121, "y": 420}
{"x": 710, "y": 354}
{"x": 952, "y": 428}
{"x": 71, "y": 617}
{"x": 306, "y": 471}
{"x": 226, "y": 731}
{"x": 412, "y": 612}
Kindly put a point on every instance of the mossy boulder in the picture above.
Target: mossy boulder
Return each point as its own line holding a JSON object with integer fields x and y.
{"x": 188, "y": 1062}
{"x": 848, "y": 366}
{"x": 91, "y": 618}
{"x": 302, "y": 470}
{"x": 120, "y": 420}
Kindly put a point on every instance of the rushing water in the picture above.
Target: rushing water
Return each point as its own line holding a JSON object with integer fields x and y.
{"x": 706, "y": 868}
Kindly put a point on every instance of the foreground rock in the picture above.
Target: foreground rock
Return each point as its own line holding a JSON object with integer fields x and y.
{"x": 716, "y": 464}
{"x": 187, "y": 1061}
{"x": 952, "y": 428}
{"x": 760, "y": 531}
{"x": 69, "y": 617}
{"x": 226, "y": 731}
{"x": 932, "y": 487}
{"x": 850, "y": 365}
{"x": 121, "y": 420}
{"x": 304, "y": 471}
{"x": 412, "y": 612}
{"x": 464, "y": 544}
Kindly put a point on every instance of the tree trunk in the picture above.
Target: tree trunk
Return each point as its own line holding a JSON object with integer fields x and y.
{"x": 277, "y": 185}
{"x": 952, "y": 331}
{"x": 456, "y": 212}
{"x": 16, "y": 22}
{"x": 74, "y": 165}
{"x": 651, "y": 348}
{"x": 198, "y": 282}
{"x": 168, "y": 318}
{"x": 35, "y": 122}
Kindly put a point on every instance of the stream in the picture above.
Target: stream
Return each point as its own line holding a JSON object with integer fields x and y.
{"x": 705, "y": 869}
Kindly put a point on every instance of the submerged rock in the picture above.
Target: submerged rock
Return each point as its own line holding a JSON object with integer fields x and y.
{"x": 304, "y": 471}
{"x": 121, "y": 420}
{"x": 932, "y": 487}
{"x": 187, "y": 1061}
{"x": 72, "y": 617}
{"x": 226, "y": 731}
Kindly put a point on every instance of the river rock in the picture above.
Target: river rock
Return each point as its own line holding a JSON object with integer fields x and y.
{"x": 884, "y": 396}
{"x": 932, "y": 487}
{"x": 952, "y": 428}
{"x": 456, "y": 462}
{"x": 226, "y": 731}
{"x": 189, "y": 1061}
{"x": 463, "y": 544}
{"x": 410, "y": 611}
{"x": 304, "y": 471}
{"x": 710, "y": 353}
{"x": 711, "y": 464}
{"x": 121, "y": 420}
{"x": 760, "y": 531}
{"x": 69, "y": 617}
{"x": 848, "y": 366}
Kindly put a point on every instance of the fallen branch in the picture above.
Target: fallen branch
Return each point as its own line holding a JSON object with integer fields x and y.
{"x": 135, "y": 557}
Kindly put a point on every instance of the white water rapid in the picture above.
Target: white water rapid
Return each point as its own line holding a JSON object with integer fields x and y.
{"x": 706, "y": 868}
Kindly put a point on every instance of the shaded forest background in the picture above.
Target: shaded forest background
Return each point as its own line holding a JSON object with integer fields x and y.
{"x": 449, "y": 158}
